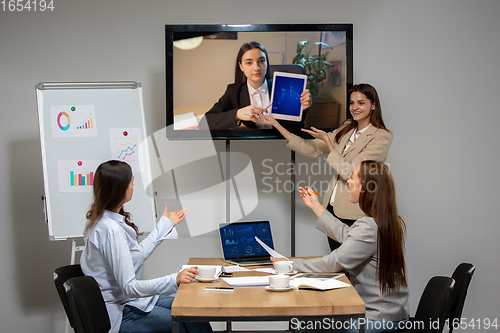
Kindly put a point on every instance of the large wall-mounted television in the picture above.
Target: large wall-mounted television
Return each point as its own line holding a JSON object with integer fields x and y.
{"x": 201, "y": 62}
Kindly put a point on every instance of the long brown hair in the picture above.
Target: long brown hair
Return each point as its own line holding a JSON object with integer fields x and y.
{"x": 376, "y": 116}
{"x": 111, "y": 181}
{"x": 377, "y": 199}
{"x": 239, "y": 76}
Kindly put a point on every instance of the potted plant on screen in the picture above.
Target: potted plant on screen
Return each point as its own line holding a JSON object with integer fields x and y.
{"x": 315, "y": 65}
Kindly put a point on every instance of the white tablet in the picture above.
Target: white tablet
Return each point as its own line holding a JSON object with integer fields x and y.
{"x": 287, "y": 88}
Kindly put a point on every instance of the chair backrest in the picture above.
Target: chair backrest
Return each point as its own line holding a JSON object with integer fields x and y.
{"x": 61, "y": 275}
{"x": 288, "y": 68}
{"x": 434, "y": 305}
{"x": 462, "y": 276}
{"x": 85, "y": 300}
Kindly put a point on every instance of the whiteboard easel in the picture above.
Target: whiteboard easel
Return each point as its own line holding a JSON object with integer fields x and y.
{"x": 83, "y": 124}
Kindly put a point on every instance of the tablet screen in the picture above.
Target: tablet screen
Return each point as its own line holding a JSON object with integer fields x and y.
{"x": 287, "y": 89}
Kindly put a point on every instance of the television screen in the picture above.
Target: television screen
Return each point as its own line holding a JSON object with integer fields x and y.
{"x": 201, "y": 63}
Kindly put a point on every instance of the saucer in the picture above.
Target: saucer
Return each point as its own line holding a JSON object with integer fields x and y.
{"x": 206, "y": 279}
{"x": 271, "y": 288}
{"x": 289, "y": 273}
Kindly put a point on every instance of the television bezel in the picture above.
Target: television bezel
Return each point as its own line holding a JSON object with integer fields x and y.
{"x": 192, "y": 30}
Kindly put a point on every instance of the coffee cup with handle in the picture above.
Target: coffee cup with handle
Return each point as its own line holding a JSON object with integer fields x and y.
{"x": 283, "y": 267}
{"x": 206, "y": 272}
{"x": 279, "y": 281}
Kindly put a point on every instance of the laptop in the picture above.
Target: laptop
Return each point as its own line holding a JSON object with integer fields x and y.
{"x": 239, "y": 245}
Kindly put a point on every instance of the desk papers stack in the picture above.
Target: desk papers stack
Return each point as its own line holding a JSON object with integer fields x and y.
{"x": 187, "y": 121}
{"x": 245, "y": 281}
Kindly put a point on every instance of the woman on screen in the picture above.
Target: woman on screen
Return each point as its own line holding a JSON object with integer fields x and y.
{"x": 364, "y": 137}
{"x": 372, "y": 249}
{"x": 114, "y": 258}
{"x": 248, "y": 98}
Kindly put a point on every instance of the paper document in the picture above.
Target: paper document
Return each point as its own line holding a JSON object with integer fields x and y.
{"x": 268, "y": 249}
{"x": 320, "y": 276}
{"x": 232, "y": 269}
{"x": 187, "y": 121}
{"x": 265, "y": 270}
{"x": 247, "y": 281}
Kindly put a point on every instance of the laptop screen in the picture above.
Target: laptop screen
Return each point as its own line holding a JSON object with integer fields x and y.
{"x": 238, "y": 239}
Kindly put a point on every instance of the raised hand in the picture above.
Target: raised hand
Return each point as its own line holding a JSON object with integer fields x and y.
{"x": 317, "y": 134}
{"x": 175, "y": 216}
{"x": 268, "y": 120}
{"x": 311, "y": 200}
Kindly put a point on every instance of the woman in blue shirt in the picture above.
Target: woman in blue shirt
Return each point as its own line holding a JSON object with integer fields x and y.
{"x": 115, "y": 259}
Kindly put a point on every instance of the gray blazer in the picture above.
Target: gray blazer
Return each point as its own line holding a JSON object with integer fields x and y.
{"x": 358, "y": 256}
{"x": 373, "y": 144}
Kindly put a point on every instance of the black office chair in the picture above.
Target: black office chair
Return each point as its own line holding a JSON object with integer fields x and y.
{"x": 287, "y": 68}
{"x": 462, "y": 276}
{"x": 433, "y": 307}
{"x": 61, "y": 275}
{"x": 86, "y": 302}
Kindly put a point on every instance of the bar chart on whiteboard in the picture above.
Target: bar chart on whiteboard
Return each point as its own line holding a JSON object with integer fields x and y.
{"x": 70, "y": 121}
{"x": 76, "y": 175}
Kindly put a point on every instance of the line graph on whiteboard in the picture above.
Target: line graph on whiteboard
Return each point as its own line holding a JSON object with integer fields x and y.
{"x": 125, "y": 146}
{"x": 126, "y": 149}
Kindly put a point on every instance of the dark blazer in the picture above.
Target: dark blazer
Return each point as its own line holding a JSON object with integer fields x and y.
{"x": 223, "y": 114}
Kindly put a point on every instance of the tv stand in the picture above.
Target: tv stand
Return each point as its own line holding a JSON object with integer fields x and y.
{"x": 292, "y": 193}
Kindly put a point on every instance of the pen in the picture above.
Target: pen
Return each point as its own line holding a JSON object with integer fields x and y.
{"x": 314, "y": 191}
{"x": 250, "y": 115}
{"x": 220, "y": 288}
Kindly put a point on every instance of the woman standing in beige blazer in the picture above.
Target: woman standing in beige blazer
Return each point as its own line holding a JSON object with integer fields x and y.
{"x": 364, "y": 137}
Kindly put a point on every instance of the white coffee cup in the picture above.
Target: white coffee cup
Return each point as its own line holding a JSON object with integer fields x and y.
{"x": 206, "y": 272}
{"x": 283, "y": 267}
{"x": 279, "y": 281}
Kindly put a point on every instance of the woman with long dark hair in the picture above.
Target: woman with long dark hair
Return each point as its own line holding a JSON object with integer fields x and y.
{"x": 114, "y": 258}
{"x": 371, "y": 250}
{"x": 363, "y": 137}
{"x": 248, "y": 98}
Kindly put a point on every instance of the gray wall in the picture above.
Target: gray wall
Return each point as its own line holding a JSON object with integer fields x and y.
{"x": 435, "y": 65}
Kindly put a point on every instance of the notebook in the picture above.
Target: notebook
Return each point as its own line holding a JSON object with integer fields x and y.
{"x": 239, "y": 245}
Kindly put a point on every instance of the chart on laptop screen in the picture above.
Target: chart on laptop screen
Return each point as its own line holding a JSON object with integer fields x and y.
{"x": 238, "y": 239}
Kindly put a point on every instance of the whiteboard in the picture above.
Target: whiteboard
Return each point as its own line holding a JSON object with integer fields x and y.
{"x": 83, "y": 124}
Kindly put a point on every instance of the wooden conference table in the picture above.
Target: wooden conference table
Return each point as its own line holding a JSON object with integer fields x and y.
{"x": 193, "y": 303}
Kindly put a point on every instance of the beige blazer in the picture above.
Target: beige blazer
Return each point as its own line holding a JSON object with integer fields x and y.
{"x": 372, "y": 144}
